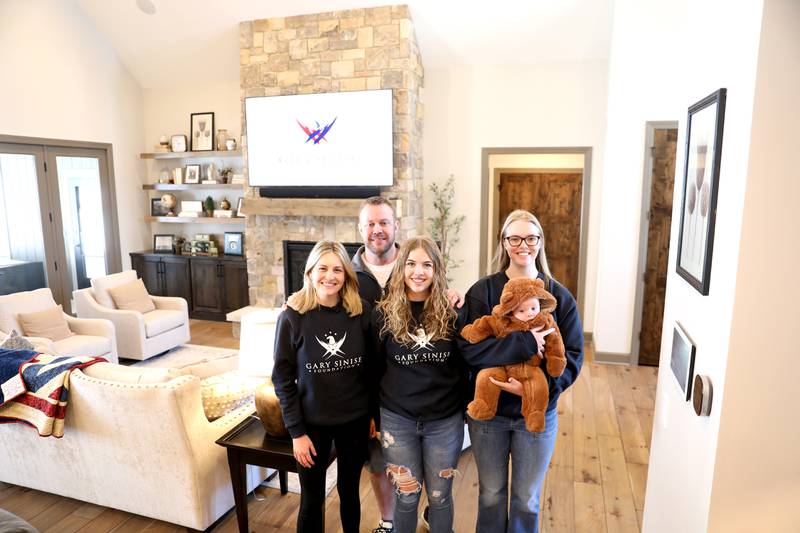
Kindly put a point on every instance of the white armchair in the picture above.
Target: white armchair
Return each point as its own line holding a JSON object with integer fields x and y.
{"x": 92, "y": 336}
{"x": 139, "y": 335}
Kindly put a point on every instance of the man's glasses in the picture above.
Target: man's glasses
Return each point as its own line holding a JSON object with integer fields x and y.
{"x": 530, "y": 240}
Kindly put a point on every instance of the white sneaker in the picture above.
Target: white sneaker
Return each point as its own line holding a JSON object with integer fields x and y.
{"x": 384, "y": 526}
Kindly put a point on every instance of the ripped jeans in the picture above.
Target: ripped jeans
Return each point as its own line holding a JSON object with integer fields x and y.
{"x": 417, "y": 451}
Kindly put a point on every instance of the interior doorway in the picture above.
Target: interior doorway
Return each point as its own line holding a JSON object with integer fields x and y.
{"x": 657, "y": 192}
{"x": 553, "y": 184}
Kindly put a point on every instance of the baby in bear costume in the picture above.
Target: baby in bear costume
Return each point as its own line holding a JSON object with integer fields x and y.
{"x": 524, "y": 305}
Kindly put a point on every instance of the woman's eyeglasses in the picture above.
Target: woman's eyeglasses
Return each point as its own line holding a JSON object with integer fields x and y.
{"x": 530, "y": 240}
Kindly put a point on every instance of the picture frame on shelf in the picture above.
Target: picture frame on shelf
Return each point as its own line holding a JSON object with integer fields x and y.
{"x": 234, "y": 243}
{"x": 164, "y": 243}
{"x": 202, "y": 132}
{"x": 192, "y": 174}
{"x": 156, "y": 208}
{"x": 177, "y": 143}
{"x": 239, "y": 207}
{"x": 187, "y": 247}
{"x": 700, "y": 186}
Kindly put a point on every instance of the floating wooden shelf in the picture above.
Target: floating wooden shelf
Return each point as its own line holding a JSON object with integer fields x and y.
{"x": 190, "y": 186}
{"x": 186, "y": 155}
{"x": 321, "y": 207}
{"x": 197, "y": 220}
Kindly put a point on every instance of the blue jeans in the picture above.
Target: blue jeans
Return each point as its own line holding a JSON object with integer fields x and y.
{"x": 416, "y": 451}
{"x": 493, "y": 441}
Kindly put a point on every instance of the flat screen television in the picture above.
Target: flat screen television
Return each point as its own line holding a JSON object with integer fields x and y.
{"x": 320, "y": 145}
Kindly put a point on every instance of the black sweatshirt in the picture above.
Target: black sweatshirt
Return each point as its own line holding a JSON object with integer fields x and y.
{"x": 520, "y": 346}
{"x": 321, "y": 366}
{"x": 368, "y": 286}
{"x": 424, "y": 381}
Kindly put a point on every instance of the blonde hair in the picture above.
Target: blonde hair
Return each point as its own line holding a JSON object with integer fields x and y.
{"x": 305, "y": 299}
{"x": 501, "y": 259}
{"x": 438, "y": 318}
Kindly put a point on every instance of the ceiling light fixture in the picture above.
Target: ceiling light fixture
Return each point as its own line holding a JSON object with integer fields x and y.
{"x": 146, "y": 6}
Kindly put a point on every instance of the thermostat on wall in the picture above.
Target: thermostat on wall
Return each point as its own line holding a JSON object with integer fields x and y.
{"x": 702, "y": 394}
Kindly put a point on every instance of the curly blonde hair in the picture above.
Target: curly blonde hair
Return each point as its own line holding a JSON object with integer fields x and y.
{"x": 438, "y": 318}
{"x": 305, "y": 299}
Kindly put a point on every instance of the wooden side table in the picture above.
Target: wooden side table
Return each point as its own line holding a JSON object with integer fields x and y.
{"x": 249, "y": 444}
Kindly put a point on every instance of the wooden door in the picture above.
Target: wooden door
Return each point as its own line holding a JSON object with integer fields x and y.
{"x": 555, "y": 199}
{"x": 660, "y": 217}
{"x": 206, "y": 286}
{"x": 235, "y": 285}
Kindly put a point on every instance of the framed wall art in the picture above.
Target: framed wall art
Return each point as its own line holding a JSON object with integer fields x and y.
{"x": 700, "y": 186}
{"x": 202, "y": 132}
{"x": 164, "y": 244}
{"x": 233, "y": 243}
{"x": 192, "y": 174}
{"x": 156, "y": 209}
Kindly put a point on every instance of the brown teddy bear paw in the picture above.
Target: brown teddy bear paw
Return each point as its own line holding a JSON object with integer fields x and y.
{"x": 535, "y": 422}
{"x": 479, "y": 410}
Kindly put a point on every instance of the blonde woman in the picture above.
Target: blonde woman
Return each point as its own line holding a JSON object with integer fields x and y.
{"x": 503, "y": 438}
{"x": 422, "y": 386}
{"x": 320, "y": 378}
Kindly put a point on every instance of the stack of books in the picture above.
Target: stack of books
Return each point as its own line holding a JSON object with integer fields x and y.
{"x": 238, "y": 179}
{"x": 223, "y": 213}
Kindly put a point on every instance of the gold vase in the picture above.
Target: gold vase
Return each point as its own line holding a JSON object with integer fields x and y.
{"x": 269, "y": 410}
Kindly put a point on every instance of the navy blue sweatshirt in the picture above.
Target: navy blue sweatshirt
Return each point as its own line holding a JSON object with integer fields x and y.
{"x": 520, "y": 346}
{"x": 321, "y": 366}
{"x": 424, "y": 381}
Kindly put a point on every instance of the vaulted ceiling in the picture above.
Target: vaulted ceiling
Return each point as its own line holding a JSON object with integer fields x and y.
{"x": 196, "y": 41}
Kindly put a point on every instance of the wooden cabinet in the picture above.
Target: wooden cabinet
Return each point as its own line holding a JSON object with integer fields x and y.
{"x": 212, "y": 286}
{"x": 18, "y": 276}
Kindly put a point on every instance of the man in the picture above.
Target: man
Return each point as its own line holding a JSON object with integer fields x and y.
{"x": 373, "y": 263}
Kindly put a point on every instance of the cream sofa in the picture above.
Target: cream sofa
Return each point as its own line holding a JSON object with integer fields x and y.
{"x": 92, "y": 336}
{"x": 135, "y": 440}
{"x": 139, "y": 335}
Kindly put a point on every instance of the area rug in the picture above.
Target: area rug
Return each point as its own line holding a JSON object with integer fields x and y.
{"x": 182, "y": 356}
{"x": 293, "y": 481}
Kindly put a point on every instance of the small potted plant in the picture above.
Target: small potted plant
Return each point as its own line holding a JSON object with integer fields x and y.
{"x": 208, "y": 205}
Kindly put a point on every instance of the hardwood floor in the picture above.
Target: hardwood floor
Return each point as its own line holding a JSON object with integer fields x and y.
{"x": 596, "y": 481}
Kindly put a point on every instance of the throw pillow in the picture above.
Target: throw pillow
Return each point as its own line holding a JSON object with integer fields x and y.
{"x": 49, "y": 324}
{"x": 14, "y": 341}
{"x": 223, "y": 393}
{"x": 132, "y": 297}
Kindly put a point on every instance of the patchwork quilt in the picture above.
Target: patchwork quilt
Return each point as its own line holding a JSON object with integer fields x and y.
{"x": 34, "y": 388}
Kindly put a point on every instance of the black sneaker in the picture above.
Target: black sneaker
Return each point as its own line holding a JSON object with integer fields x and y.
{"x": 384, "y": 526}
{"x": 424, "y": 518}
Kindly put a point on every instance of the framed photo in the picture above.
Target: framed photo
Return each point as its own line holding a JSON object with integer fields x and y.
{"x": 700, "y": 184}
{"x": 202, "y": 132}
{"x": 233, "y": 243}
{"x": 177, "y": 143}
{"x": 163, "y": 244}
{"x": 192, "y": 174}
{"x": 187, "y": 247}
{"x": 239, "y": 208}
{"x": 156, "y": 209}
{"x": 682, "y": 360}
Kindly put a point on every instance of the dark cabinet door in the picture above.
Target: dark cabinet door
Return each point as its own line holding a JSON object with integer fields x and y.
{"x": 235, "y": 285}
{"x": 176, "y": 277}
{"x": 149, "y": 269}
{"x": 206, "y": 286}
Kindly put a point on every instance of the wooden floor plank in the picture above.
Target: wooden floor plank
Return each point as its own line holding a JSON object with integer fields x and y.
{"x": 558, "y": 501}
{"x": 586, "y": 459}
{"x": 605, "y": 415}
{"x": 638, "y": 477}
{"x": 636, "y": 450}
{"x": 589, "y": 509}
{"x": 617, "y": 495}
{"x": 55, "y": 513}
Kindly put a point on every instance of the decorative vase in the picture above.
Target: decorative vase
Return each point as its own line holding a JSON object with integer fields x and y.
{"x": 224, "y": 204}
{"x": 269, "y": 410}
{"x": 222, "y": 139}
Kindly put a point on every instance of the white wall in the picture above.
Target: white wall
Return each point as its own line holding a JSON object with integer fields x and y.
{"x": 547, "y": 105}
{"x": 664, "y": 57}
{"x": 757, "y": 474}
{"x": 62, "y": 80}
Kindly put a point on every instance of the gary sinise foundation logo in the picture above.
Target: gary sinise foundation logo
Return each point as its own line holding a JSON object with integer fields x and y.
{"x": 334, "y": 359}
{"x": 422, "y": 341}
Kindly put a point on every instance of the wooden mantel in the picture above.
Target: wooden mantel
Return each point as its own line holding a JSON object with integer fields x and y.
{"x": 299, "y": 207}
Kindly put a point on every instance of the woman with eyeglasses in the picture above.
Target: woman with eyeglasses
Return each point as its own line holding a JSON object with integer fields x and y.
{"x": 503, "y": 438}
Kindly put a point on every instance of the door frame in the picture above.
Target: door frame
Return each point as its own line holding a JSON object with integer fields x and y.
{"x": 487, "y": 210}
{"x": 113, "y": 254}
{"x": 647, "y": 189}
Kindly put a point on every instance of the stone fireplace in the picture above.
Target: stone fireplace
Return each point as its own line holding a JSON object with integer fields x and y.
{"x": 337, "y": 51}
